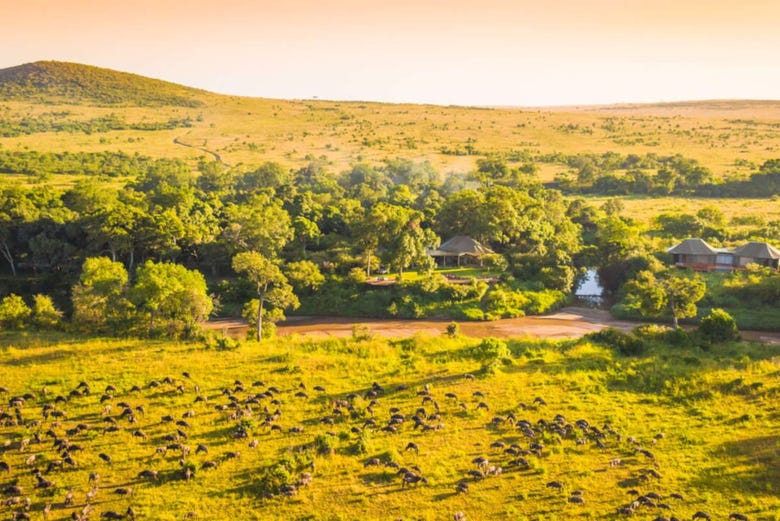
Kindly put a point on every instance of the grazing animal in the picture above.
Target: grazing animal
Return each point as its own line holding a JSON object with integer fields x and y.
{"x": 555, "y": 484}
{"x": 412, "y": 479}
{"x": 701, "y": 515}
{"x": 413, "y": 446}
{"x": 123, "y": 491}
{"x": 149, "y": 474}
{"x": 738, "y": 517}
{"x": 105, "y": 457}
{"x": 576, "y": 499}
{"x": 462, "y": 487}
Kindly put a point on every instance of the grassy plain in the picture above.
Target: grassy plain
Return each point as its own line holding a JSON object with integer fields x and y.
{"x": 717, "y": 412}
{"x": 727, "y": 138}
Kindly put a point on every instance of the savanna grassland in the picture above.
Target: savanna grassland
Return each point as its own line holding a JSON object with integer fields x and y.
{"x": 270, "y": 413}
{"x": 725, "y": 136}
{"x": 138, "y": 208}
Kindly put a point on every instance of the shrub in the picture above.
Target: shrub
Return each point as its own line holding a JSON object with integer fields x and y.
{"x": 718, "y": 326}
{"x": 453, "y": 328}
{"x": 356, "y": 276}
{"x": 222, "y": 343}
{"x": 14, "y": 313}
{"x": 44, "y": 314}
{"x": 626, "y": 344}
{"x": 492, "y": 352}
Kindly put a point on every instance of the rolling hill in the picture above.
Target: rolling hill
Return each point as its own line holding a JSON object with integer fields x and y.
{"x": 62, "y": 82}
{"x": 729, "y": 137}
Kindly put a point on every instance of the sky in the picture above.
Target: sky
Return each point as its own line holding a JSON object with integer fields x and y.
{"x": 463, "y": 52}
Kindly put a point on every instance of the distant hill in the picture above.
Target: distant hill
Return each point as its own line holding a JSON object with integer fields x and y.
{"x": 725, "y": 108}
{"x": 73, "y": 83}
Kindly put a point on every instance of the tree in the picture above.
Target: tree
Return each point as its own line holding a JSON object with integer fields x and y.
{"x": 14, "y": 313}
{"x": 672, "y": 292}
{"x": 100, "y": 297}
{"x": 260, "y": 225}
{"x": 44, "y": 314}
{"x": 305, "y": 231}
{"x": 172, "y": 292}
{"x": 719, "y": 326}
{"x": 15, "y": 208}
{"x": 270, "y": 284}
{"x": 304, "y": 276}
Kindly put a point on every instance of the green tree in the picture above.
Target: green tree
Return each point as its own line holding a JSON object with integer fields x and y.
{"x": 171, "y": 292}
{"x": 719, "y": 326}
{"x": 100, "y": 297}
{"x": 44, "y": 313}
{"x": 14, "y": 313}
{"x": 305, "y": 232}
{"x": 491, "y": 352}
{"x": 305, "y": 276}
{"x": 669, "y": 292}
{"x": 271, "y": 286}
{"x": 260, "y": 225}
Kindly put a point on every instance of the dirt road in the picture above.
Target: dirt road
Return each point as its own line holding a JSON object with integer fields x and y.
{"x": 571, "y": 322}
{"x": 567, "y": 323}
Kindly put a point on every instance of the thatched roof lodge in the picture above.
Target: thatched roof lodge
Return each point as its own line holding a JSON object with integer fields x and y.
{"x": 698, "y": 255}
{"x": 457, "y": 247}
{"x": 758, "y": 253}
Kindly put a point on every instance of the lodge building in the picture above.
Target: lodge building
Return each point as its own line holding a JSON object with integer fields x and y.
{"x": 696, "y": 254}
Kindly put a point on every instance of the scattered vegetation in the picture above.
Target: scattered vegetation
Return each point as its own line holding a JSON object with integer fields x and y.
{"x": 296, "y": 429}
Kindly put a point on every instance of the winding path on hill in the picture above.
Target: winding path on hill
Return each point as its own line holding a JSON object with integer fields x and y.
{"x": 570, "y": 322}
{"x": 177, "y": 141}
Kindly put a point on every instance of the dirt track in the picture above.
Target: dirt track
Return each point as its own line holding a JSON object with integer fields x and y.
{"x": 571, "y": 322}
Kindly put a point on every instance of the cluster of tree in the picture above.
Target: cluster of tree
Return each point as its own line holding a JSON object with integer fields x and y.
{"x": 90, "y": 164}
{"x": 163, "y": 297}
{"x": 55, "y": 123}
{"x": 614, "y": 174}
{"x": 369, "y": 216}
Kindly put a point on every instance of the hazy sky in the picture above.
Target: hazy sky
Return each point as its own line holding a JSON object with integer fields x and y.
{"x": 472, "y": 52}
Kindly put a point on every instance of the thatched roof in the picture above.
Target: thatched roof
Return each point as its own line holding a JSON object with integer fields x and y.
{"x": 758, "y": 250}
{"x": 460, "y": 245}
{"x": 692, "y": 247}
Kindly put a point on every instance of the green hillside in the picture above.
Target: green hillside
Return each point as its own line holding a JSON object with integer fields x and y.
{"x": 62, "y": 82}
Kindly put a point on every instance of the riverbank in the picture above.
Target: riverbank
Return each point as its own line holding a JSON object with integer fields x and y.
{"x": 569, "y": 322}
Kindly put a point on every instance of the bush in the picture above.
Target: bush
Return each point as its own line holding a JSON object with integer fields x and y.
{"x": 492, "y": 352}
{"x": 44, "y": 314}
{"x": 718, "y": 326}
{"x": 356, "y": 276}
{"x": 14, "y": 313}
{"x": 453, "y": 328}
{"x": 626, "y": 344}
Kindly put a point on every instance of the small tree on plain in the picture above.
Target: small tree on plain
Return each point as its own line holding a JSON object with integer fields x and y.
{"x": 270, "y": 284}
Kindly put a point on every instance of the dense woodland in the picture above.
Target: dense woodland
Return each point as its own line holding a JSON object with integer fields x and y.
{"x": 83, "y": 227}
{"x": 329, "y": 231}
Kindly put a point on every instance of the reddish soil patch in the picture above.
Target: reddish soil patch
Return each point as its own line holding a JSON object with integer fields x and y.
{"x": 571, "y": 322}
{"x": 567, "y": 323}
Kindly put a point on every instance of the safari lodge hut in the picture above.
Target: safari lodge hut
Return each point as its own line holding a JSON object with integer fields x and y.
{"x": 758, "y": 253}
{"x": 456, "y": 248}
{"x": 696, "y": 254}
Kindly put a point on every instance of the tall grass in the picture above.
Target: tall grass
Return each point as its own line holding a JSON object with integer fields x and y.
{"x": 717, "y": 411}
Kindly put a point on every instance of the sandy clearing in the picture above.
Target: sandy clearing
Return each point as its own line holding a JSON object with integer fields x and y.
{"x": 570, "y": 322}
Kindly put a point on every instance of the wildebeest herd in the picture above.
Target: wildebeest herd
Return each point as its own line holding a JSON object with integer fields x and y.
{"x": 60, "y": 446}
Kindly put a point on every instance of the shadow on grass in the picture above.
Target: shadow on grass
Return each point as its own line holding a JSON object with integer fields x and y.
{"x": 754, "y": 467}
